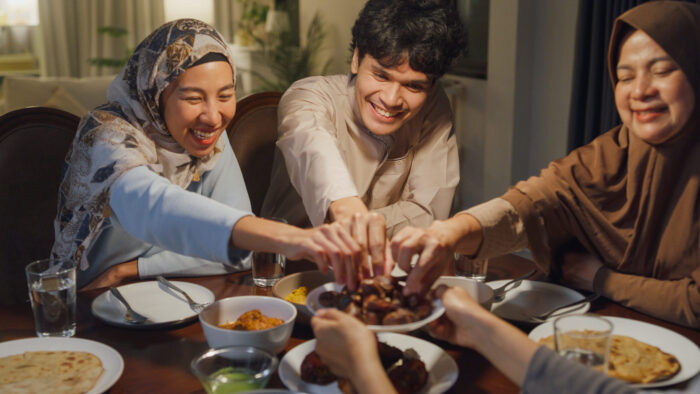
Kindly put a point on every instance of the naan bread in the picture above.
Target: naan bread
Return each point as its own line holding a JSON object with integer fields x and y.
{"x": 635, "y": 361}
{"x": 639, "y": 362}
{"x": 49, "y": 372}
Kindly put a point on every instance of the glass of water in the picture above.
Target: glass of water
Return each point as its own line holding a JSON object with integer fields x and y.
{"x": 268, "y": 268}
{"x": 471, "y": 268}
{"x": 51, "y": 284}
{"x": 584, "y": 338}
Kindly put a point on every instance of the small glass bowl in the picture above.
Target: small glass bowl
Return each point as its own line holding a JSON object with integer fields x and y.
{"x": 233, "y": 369}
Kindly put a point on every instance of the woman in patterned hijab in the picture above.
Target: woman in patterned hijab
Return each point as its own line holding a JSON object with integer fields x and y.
{"x": 151, "y": 185}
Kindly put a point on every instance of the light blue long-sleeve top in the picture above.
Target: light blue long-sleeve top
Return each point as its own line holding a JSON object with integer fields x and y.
{"x": 172, "y": 231}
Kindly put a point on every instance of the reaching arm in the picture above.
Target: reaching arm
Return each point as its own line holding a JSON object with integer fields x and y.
{"x": 435, "y": 246}
{"x": 533, "y": 367}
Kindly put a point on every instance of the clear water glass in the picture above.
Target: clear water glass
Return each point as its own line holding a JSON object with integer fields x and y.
{"x": 51, "y": 284}
{"x": 268, "y": 268}
{"x": 471, "y": 268}
{"x": 584, "y": 338}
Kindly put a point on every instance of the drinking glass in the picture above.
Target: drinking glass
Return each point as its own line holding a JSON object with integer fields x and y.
{"x": 471, "y": 268}
{"x": 51, "y": 284}
{"x": 268, "y": 268}
{"x": 584, "y": 338}
{"x": 233, "y": 369}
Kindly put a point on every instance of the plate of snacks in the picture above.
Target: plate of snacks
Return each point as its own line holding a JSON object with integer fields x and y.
{"x": 379, "y": 303}
{"x": 423, "y": 366}
{"x": 642, "y": 354}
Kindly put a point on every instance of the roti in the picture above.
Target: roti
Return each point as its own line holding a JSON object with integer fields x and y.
{"x": 635, "y": 361}
{"x": 49, "y": 372}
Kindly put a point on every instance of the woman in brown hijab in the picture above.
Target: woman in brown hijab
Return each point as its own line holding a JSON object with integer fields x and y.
{"x": 630, "y": 198}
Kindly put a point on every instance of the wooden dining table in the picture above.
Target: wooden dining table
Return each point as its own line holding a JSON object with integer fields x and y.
{"x": 158, "y": 360}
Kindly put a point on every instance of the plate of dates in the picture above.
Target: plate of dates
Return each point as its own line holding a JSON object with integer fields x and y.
{"x": 379, "y": 303}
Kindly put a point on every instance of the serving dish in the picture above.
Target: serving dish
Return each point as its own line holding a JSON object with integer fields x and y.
{"x": 227, "y": 310}
{"x": 312, "y": 302}
{"x": 442, "y": 368}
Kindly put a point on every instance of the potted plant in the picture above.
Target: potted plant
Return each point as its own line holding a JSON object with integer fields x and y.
{"x": 288, "y": 62}
{"x": 250, "y": 24}
{"x": 117, "y": 33}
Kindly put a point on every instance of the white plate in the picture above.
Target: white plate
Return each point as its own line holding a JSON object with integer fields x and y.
{"x": 163, "y": 306}
{"x": 112, "y": 361}
{"x": 442, "y": 369}
{"x": 687, "y": 352}
{"x": 313, "y": 305}
{"x": 534, "y": 298}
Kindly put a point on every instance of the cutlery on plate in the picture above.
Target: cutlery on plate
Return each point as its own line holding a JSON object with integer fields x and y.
{"x": 500, "y": 292}
{"x": 131, "y": 315}
{"x": 541, "y": 318}
{"x": 195, "y": 306}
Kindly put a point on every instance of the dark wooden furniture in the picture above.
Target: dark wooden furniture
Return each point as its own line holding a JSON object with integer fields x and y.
{"x": 33, "y": 144}
{"x": 252, "y": 133}
{"x": 158, "y": 360}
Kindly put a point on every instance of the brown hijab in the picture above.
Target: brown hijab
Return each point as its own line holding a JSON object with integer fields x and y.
{"x": 634, "y": 205}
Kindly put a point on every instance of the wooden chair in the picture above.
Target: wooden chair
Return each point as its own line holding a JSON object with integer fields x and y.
{"x": 33, "y": 145}
{"x": 253, "y": 132}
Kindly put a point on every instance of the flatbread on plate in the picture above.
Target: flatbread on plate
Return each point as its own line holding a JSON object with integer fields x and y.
{"x": 49, "y": 372}
{"x": 635, "y": 361}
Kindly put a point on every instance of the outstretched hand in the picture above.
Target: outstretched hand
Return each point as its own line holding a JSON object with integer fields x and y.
{"x": 460, "y": 319}
{"x": 343, "y": 342}
{"x": 330, "y": 245}
{"x": 369, "y": 231}
{"x": 435, "y": 247}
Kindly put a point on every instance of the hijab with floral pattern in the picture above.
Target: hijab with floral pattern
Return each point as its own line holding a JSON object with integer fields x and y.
{"x": 128, "y": 132}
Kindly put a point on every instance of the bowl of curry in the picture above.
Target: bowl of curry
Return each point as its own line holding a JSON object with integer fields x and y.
{"x": 259, "y": 321}
{"x": 295, "y": 287}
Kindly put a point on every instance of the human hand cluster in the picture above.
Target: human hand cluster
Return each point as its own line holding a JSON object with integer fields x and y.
{"x": 462, "y": 315}
{"x": 344, "y": 343}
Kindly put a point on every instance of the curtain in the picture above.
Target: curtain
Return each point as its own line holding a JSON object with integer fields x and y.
{"x": 70, "y": 38}
{"x": 593, "y": 110}
{"x": 592, "y": 104}
{"x": 224, "y": 10}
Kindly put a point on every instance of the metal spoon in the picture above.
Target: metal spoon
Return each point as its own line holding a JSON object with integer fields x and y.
{"x": 500, "y": 293}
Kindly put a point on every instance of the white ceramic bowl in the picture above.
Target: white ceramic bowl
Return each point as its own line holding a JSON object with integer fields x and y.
{"x": 480, "y": 291}
{"x": 229, "y": 309}
{"x": 310, "y": 279}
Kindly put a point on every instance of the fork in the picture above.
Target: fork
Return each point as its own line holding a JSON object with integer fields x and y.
{"x": 195, "y": 306}
{"x": 500, "y": 293}
{"x": 131, "y": 315}
{"x": 541, "y": 318}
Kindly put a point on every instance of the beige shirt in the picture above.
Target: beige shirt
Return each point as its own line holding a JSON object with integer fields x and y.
{"x": 328, "y": 154}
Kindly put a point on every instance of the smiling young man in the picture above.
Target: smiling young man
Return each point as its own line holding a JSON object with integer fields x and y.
{"x": 375, "y": 149}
